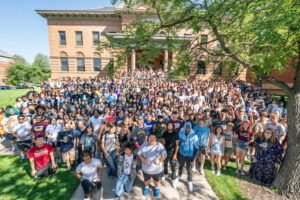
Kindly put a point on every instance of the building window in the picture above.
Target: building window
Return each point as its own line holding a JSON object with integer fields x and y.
{"x": 62, "y": 38}
{"x": 79, "y": 40}
{"x": 96, "y": 38}
{"x": 201, "y": 68}
{"x": 80, "y": 64}
{"x": 218, "y": 69}
{"x": 204, "y": 39}
{"x": 97, "y": 64}
{"x": 64, "y": 64}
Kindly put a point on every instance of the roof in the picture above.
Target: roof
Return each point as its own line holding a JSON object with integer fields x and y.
{"x": 4, "y": 54}
{"x": 94, "y": 11}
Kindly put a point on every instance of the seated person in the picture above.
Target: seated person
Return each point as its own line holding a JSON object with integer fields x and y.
{"x": 41, "y": 158}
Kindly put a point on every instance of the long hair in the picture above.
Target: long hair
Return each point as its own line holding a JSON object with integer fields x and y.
{"x": 249, "y": 127}
{"x": 215, "y": 131}
{"x": 273, "y": 137}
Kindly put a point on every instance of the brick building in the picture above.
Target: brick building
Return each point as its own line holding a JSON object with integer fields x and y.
{"x": 5, "y": 59}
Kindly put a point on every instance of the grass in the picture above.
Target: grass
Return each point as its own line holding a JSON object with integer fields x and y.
{"x": 227, "y": 185}
{"x": 17, "y": 183}
{"x": 8, "y": 97}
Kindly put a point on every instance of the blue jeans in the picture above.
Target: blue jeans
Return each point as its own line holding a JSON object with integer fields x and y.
{"x": 111, "y": 163}
{"x": 123, "y": 182}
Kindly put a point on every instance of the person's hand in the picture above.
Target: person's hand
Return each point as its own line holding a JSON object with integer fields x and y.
{"x": 276, "y": 164}
{"x": 174, "y": 157}
{"x": 208, "y": 151}
{"x": 156, "y": 161}
{"x": 107, "y": 155}
{"x": 33, "y": 172}
{"x": 117, "y": 154}
{"x": 146, "y": 161}
{"x": 54, "y": 165}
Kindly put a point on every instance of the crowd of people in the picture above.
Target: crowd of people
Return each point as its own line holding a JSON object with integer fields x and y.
{"x": 143, "y": 121}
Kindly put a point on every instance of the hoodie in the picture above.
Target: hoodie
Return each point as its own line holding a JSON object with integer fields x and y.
{"x": 188, "y": 144}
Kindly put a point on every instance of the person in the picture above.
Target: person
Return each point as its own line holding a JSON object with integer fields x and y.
{"x": 127, "y": 162}
{"x": 31, "y": 94}
{"x": 243, "y": 137}
{"x": 178, "y": 124}
{"x": 149, "y": 123}
{"x": 88, "y": 140}
{"x": 111, "y": 148}
{"x": 95, "y": 121}
{"x": 89, "y": 172}
{"x": 8, "y": 122}
{"x": 42, "y": 159}
{"x": 152, "y": 154}
{"x": 229, "y": 146}
{"x": 159, "y": 128}
{"x": 140, "y": 133}
{"x": 216, "y": 146}
{"x": 203, "y": 133}
{"x": 267, "y": 157}
{"x": 22, "y": 132}
{"x": 276, "y": 127}
{"x": 188, "y": 149}
{"x": 170, "y": 140}
{"x": 51, "y": 133}
{"x": 66, "y": 139}
{"x": 38, "y": 128}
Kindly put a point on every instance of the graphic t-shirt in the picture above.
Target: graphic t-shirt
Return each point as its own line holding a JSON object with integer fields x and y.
{"x": 89, "y": 171}
{"x": 203, "y": 133}
{"x": 149, "y": 125}
{"x": 65, "y": 147}
{"x": 22, "y": 130}
{"x": 244, "y": 135}
{"x": 228, "y": 139}
{"x": 127, "y": 164}
{"x": 140, "y": 134}
{"x": 178, "y": 124}
{"x": 88, "y": 140}
{"x": 41, "y": 155}
{"x": 39, "y": 129}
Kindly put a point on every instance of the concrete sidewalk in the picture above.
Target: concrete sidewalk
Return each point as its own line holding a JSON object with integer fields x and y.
{"x": 202, "y": 190}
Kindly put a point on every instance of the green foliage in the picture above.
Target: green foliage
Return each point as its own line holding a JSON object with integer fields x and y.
{"x": 17, "y": 74}
{"x": 42, "y": 61}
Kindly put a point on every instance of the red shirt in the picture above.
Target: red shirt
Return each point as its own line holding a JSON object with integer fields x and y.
{"x": 39, "y": 129}
{"x": 40, "y": 155}
{"x": 244, "y": 135}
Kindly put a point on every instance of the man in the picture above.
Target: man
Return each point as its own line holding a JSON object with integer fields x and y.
{"x": 152, "y": 154}
{"x": 96, "y": 121}
{"x": 177, "y": 122}
{"x": 276, "y": 127}
{"x": 41, "y": 159}
{"x": 31, "y": 94}
{"x": 149, "y": 123}
{"x": 140, "y": 133}
{"x": 22, "y": 132}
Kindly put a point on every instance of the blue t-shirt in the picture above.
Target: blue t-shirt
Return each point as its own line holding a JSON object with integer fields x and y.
{"x": 65, "y": 147}
{"x": 146, "y": 101}
{"x": 203, "y": 134}
{"x": 149, "y": 125}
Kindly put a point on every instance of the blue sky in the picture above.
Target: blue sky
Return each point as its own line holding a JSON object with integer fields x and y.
{"x": 24, "y": 32}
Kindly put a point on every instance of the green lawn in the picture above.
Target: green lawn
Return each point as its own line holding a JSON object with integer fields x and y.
{"x": 227, "y": 185}
{"x": 8, "y": 97}
{"x": 17, "y": 183}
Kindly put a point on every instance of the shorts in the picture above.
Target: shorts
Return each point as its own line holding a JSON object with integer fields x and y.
{"x": 155, "y": 177}
{"x": 228, "y": 150}
{"x": 25, "y": 144}
{"x": 241, "y": 145}
{"x": 68, "y": 156}
{"x": 44, "y": 172}
{"x": 203, "y": 150}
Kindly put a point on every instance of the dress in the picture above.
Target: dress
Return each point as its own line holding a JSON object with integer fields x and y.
{"x": 267, "y": 154}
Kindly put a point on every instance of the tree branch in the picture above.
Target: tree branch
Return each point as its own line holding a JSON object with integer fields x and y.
{"x": 181, "y": 21}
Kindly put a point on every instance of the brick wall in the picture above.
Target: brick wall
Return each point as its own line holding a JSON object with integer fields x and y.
{"x": 3, "y": 66}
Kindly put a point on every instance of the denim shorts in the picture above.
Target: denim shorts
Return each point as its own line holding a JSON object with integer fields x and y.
{"x": 241, "y": 145}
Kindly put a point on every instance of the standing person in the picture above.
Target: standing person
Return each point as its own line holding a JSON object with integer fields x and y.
{"x": 152, "y": 154}
{"x": 38, "y": 128}
{"x": 244, "y": 136}
{"x": 276, "y": 127}
{"x": 22, "y": 132}
{"x": 8, "y": 122}
{"x": 140, "y": 133}
{"x": 41, "y": 159}
{"x": 170, "y": 140}
{"x": 66, "y": 139}
{"x": 127, "y": 162}
{"x": 159, "y": 128}
{"x": 88, "y": 140}
{"x": 229, "y": 146}
{"x": 267, "y": 157}
{"x": 96, "y": 121}
{"x": 203, "y": 133}
{"x": 52, "y": 131}
{"x": 216, "y": 146}
{"x": 149, "y": 123}
{"x": 188, "y": 149}
{"x": 111, "y": 148}
{"x": 178, "y": 124}
{"x": 104, "y": 129}
{"x": 89, "y": 172}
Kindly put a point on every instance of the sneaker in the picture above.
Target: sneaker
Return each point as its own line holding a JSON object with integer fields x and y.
{"x": 174, "y": 184}
{"x": 178, "y": 178}
{"x": 201, "y": 171}
{"x": 53, "y": 176}
{"x": 35, "y": 178}
{"x": 194, "y": 168}
{"x": 237, "y": 171}
{"x": 190, "y": 186}
{"x": 13, "y": 148}
{"x": 163, "y": 177}
{"x": 69, "y": 168}
{"x": 145, "y": 191}
{"x": 242, "y": 172}
{"x": 213, "y": 170}
{"x": 218, "y": 172}
{"x": 156, "y": 192}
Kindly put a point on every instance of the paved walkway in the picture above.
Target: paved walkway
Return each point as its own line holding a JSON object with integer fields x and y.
{"x": 202, "y": 190}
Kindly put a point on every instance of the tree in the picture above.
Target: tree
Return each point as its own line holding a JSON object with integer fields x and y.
{"x": 17, "y": 74}
{"x": 42, "y": 61}
{"x": 259, "y": 35}
{"x": 17, "y": 59}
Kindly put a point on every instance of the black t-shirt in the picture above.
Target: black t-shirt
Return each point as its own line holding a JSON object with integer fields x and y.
{"x": 170, "y": 139}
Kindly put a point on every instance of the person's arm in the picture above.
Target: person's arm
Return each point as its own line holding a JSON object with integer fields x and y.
{"x": 223, "y": 150}
{"x": 146, "y": 136}
{"x": 176, "y": 149}
{"x": 99, "y": 173}
{"x": 32, "y": 165}
{"x": 103, "y": 148}
{"x": 78, "y": 175}
{"x": 163, "y": 141}
{"x": 53, "y": 160}
{"x": 99, "y": 134}
{"x": 209, "y": 143}
{"x": 281, "y": 138}
{"x": 15, "y": 134}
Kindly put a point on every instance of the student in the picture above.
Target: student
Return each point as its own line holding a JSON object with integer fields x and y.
{"x": 170, "y": 140}
{"x": 244, "y": 136}
{"x": 89, "y": 172}
{"x": 228, "y": 134}
{"x": 39, "y": 127}
{"x": 159, "y": 128}
{"x": 216, "y": 146}
{"x": 203, "y": 133}
{"x": 22, "y": 132}
{"x": 41, "y": 159}
{"x": 66, "y": 139}
{"x": 88, "y": 140}
{"x": 140, "y": 133}
{"x": 152, "y": 154}
{"x": 52, "y": 131}
{"x": 149, "y": 123}
{"x": 188, "y": 149}
{"x": 127, "y": 162}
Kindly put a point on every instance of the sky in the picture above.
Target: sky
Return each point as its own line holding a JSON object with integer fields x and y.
{"x": 24, "y": 32}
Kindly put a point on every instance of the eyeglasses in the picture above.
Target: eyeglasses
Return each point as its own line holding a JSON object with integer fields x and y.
{"x": 21, "y": 119}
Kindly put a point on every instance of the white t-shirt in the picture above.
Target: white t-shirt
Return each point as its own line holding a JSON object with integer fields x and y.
{"x": 53, "y": 129}
{"x": 22, "y": 130}
{"x": 89, "y": 171}
{"x": 96, "y": 122}
{"x": 127, "y": 164}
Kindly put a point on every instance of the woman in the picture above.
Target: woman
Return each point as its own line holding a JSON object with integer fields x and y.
{"x": 89, "y": 172}
{"x": 8, "y": 122}
{"x": 51, "y": 133}
{"x": 244, "y": 136}
{"x": 267, "y": 157}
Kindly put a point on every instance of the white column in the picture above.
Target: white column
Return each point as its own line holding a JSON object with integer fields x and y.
{"x": 133, "y": 60}
{"x": 166, "y": 60}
